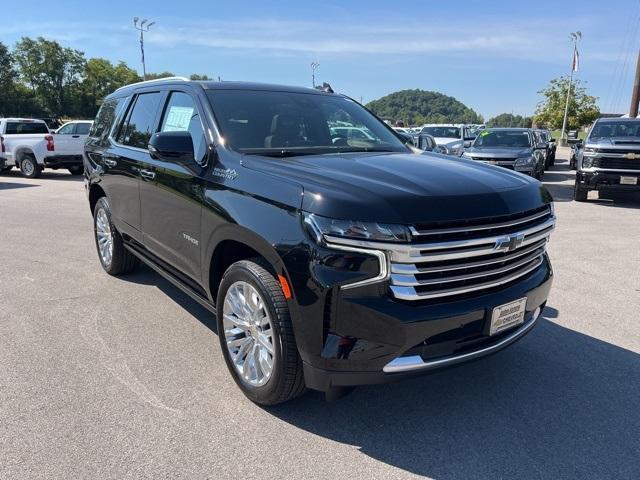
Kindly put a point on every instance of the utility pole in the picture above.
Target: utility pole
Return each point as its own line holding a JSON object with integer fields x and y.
{"x": 635, "y": 94}
{"x": 143, "y": 27}
{"x": 574, "y": 36}
{"x": 314, "y": 65}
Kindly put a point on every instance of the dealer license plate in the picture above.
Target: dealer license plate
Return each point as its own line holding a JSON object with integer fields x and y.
{"x": 507, "y": 315}
{"x": 628, "y": 180}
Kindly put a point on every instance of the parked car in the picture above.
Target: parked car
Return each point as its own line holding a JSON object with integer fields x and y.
{"x": 517, "y": 149}
{"x": 325, "y": 260}
{"x": 610, "y": 158}
{"x": 545, "y": 137}
{"x": 450, "y": 138}
{"x": 576, "y": 145}
{"x": 29, "y": 146}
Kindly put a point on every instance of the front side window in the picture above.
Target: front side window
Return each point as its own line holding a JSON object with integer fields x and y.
{"x": 26, "y": 128}
{"x": 82, "y": 128}
{"x": 66, "y": 129}
{"x": 140, "y": 122}
{"x": 442, "y": 132}
{"x": 181, "y": 115}
{"x": 503, "y": 138}
{"x": 290, "y": 123}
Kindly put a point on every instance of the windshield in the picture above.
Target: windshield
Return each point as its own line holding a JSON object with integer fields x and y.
{"x": 503, "y": 138}
{"x": 289, "y": 124}
{"x": 616, "y": 129}
{"x": 443, "y": 132}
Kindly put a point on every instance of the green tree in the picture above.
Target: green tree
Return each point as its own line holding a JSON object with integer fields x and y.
{"x": 509, "y": 120}
{"x": 415, "y": 107}
{"x": 155, "y": 76}
{"x": 100, "y": 78}
{"x": 583, "y": 108}
{"x": 51, "y": 71}
{"x": 195, "y": 76}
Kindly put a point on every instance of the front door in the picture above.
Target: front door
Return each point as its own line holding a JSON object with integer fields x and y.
{"x": 171, "y": 192}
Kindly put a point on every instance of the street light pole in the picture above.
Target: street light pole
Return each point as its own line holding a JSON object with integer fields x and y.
{"x": 142, "y": 27}
{"x": 314, "y": 65}
{"x": 574, "y": 36}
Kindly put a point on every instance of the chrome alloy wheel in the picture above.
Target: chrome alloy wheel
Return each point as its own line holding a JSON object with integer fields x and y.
{"x": 27, "y": 167}
{"x": 248, "y": 333}
{"x": 104, "y": 237}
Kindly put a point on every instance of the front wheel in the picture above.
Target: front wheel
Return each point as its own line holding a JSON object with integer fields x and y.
{"x": 580, "y": 194}
{"x": 29, "y": 167}
{"x": 256, "y": 336}
{"x": 76, "y": 170}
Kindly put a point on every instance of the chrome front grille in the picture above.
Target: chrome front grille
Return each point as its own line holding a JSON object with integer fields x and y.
{"x": 475, "y": 256}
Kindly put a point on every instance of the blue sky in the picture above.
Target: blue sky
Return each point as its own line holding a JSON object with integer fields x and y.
{"x": 493, "y": 55}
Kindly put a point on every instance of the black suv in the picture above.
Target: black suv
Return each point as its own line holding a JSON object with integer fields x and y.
{"x": 330, "y": 261}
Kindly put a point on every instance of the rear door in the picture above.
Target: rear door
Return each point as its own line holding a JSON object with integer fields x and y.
{"x": 124, "y": 156}
{"x": 171, "y": 192}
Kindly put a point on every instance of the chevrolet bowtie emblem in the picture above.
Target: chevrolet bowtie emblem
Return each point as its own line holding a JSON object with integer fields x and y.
{"x": 631, "y": 156}
{"x": 509, "y": 243}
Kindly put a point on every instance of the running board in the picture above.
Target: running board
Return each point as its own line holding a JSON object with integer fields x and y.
{"x": 174, "y": 281}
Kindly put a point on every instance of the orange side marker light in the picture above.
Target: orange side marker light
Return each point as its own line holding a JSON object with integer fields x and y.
{"x": 285, "y": 286}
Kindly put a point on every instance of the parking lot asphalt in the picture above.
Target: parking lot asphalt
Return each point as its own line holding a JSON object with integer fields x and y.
{"x": 104, "y": 377}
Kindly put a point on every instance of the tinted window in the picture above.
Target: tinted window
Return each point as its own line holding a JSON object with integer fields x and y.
{"x": 67, "y": 129}
{"x": 182, "y": 115}
{"x": 302, "y": 123}
{"x": 26, "y": 127}
{"x": 442, "y": 132}
{"x": 105, "y": 118}
{"x": 83, "y": 128}
{"x": 140, "y": 123}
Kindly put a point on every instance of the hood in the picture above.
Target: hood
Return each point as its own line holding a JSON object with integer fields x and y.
{"x": 403, "y": 188}
{"x": 620, "y": 142}
{"x": 449, "y": 142}
{"x": 499, "y": 152}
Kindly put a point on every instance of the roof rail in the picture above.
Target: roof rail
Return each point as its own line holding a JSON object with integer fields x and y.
{"x": 182, "y": 79}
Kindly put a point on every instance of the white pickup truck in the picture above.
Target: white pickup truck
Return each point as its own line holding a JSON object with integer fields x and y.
{"x": 29, "y": 145}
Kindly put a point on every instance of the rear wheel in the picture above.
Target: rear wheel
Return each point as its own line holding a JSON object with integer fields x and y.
{"x": 114, "y": 257}
{"x": 580, "y": 194}
{"x": 76, "y": 170}
{"x": 256, "y": 336}
{"x": 29, "y": 167}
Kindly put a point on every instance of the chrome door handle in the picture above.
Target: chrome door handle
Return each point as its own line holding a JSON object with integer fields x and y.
{"x": 147, "y": 174}
{"x": 110, "y": 162}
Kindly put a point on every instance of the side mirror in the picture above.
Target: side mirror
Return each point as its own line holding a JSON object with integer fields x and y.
{"x": 467, "y": 144}
{"x": 424, "y": 142}
{"x": 171, "y": 146}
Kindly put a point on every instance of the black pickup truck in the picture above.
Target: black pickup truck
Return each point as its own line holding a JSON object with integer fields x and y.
{"x": 329, "y": 261}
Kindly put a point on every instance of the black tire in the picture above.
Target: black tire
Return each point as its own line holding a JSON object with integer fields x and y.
{"x": 122, "y": 261}
{"x": 580, "y": 194}
{"x": 29, "y": 167}
{"x": 286, "y": 381}
{"x": 76, "y": 170}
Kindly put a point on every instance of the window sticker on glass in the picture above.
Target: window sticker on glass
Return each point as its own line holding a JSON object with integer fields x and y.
{"x": 178, "y": 119}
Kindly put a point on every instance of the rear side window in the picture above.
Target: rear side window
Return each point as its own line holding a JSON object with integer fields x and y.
{"x": 26, "y": 127}
{"x": 82, "y": 128}
{"x": 106, "y": 116}
{"x": 140, "y": 122}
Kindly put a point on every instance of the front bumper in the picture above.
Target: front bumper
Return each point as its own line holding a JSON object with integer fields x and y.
{"x": 63, "y": 161}
{"x": 606, "y": 180}
{"x": 378, "y": 339}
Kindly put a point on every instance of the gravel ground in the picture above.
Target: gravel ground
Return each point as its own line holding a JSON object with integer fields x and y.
{"x": 123, "y": 378}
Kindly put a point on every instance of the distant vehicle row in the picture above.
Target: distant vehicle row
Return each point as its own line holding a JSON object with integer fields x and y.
{"x": 29, "y": 145}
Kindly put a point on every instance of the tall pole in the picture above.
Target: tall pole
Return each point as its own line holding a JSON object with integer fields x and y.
{"x": 635, "y": 95}
{"x": 314, "y": 65}
{"x": 575, "y": 36}
{"x": 142, "y": 27}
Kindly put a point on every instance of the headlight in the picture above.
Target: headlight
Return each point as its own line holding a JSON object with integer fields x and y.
{"x": 524, "y": 162}
{"x": 587, "y": 162}
{"x": 589, "y": 151}
{"x": 381, "y": 232}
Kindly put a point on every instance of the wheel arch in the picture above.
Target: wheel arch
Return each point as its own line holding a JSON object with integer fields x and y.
{"x": 95, "y": 193}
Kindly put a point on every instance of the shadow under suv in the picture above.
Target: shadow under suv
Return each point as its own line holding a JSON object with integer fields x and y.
{"x": 329, "y": 261}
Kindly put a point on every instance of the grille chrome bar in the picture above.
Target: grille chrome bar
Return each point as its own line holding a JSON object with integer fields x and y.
{"x": 409, "y": 293}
